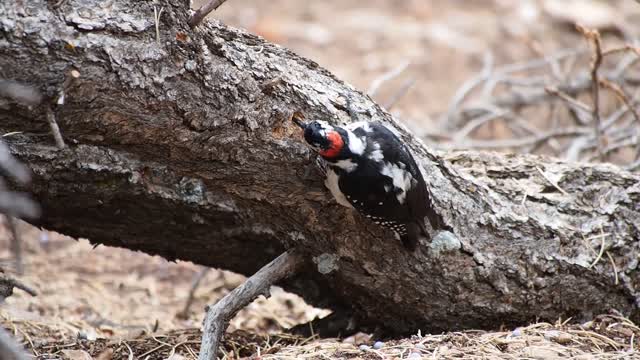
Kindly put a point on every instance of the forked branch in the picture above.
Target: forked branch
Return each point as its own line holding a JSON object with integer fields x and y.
{"x": 219, "y": 315}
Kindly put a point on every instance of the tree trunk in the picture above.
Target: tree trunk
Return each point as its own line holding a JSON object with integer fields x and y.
{"x": 183, "y": 147}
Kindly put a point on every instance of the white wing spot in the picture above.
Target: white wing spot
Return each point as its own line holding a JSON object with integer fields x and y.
{"x": 400, "y": 177}
{"x": 376, "y": 155}
{"x": 346, "y": 165}
{"x": 356, "y": 145}
{"x": 359, "y": 124}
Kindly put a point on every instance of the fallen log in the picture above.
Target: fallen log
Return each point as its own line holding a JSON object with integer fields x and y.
{"x": 179, "y": 143}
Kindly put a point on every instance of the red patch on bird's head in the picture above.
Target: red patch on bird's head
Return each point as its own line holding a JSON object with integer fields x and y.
{"x": 336, "y": 144}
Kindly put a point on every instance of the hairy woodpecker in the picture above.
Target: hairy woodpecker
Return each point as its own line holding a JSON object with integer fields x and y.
{"x": 371, "y": 170}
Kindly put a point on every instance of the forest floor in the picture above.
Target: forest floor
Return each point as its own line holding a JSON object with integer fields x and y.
{"x": 110, "y": 303}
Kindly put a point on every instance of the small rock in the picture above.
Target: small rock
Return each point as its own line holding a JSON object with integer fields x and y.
{"x": 443, "y": 350}
{"x": 557, "y": 336}
{"x": 357, "y": 338}
{"x": 75, "y": 355}
{"x": 326, "y": 263}
{"x": 420, "y": 346}
{"x": 551, "y": 334}
{"x": 364, "y": 347}
{"x": 414, "y": 355}
{"x": 378, "y": 345}
{"x": 87, "y": 335}
{"x": 517, "y": 332}
{"x": 563, "y": 339}
{"x": 176, "y": 357}
{"x": 540, "y": 353}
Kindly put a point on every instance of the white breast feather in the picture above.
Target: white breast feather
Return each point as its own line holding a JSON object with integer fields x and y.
{"x": 331, "y": 182}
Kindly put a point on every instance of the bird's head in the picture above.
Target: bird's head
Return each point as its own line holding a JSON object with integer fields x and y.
{"x": 326, "y": 139}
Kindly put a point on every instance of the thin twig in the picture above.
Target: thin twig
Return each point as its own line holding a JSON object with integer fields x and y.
{"x": 573, "y": 103}
{"x": 204, "y": 10}
{"x": 194, "y": 286}
{"x": 156, "y": 17}
{"x": 516, "y": 143}
{"x": 16, "y": 244}
{"x": 389, "y": 75}
{"x": 468, "y": 86}
{"x": 594, "y": 37}
{"x": 620, "y": 93}
{"x": 7, "y": 284}
{"x": 218, "y": 316}
{"x": 55, "y": 130}
{"x": 615, "y": 269}
{"x": 399, "y": 94}
{"x": 602, "y": 246}
{"x": 630, "y": 142}
{"x": 553, "y": 183}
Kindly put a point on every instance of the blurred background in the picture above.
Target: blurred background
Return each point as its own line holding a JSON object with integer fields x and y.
{"x": 502, "y": 75}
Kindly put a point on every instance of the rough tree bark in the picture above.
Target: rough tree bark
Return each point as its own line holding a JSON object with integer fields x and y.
{"x": 183, "y": 148}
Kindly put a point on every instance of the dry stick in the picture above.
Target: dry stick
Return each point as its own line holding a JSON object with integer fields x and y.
{"x": 194, "y": 286}
{"x": 7, "y": 284}
{"x": 399, "y": 94}
{"x": 156, "y": 17}
{"x": 467, "y": 87}
{"x": 204, "y": 10}
{"x": 622, "y": 95}
{"x": 574, "y": 104}
{"x": 9, "y": 350}
{"x": 219, "y": 315}
{"x": 16, "y": 245}
{"x": 377, "y": 82}
{"x": 515, "y": 143}
{"x": 594, "y": 37}
{"x": 580, "y": 83}
{"x": 55, "y": 130}
{"x": 487, "y": 73}
{"x": 553, "y": 183}
{"x": 632, "y": 142}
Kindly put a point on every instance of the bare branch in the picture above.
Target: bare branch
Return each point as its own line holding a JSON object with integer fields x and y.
{"x": 594, "y": 37}
{"x": 184, "y": 314}
{"x": 516, "y": 143}
{"x": 399, "y": 94}
{"x": 218, "y": 316}
{"x": 377, "y": 82}
{"x": 204, "y": 10}
{"x": 55, "y": 130}
{"x": 156, "y": 16}
{"x": 7, "y": 284}
{"x": 16, "y": 244}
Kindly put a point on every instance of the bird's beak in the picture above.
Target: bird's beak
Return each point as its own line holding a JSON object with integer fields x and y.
{"x": 297, "y": 118}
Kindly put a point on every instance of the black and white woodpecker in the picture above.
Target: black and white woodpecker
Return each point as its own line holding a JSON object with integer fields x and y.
{"x": 370, "y": 169}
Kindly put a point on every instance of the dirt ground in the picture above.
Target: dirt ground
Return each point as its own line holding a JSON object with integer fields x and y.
{"x": 116, "y": 304}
